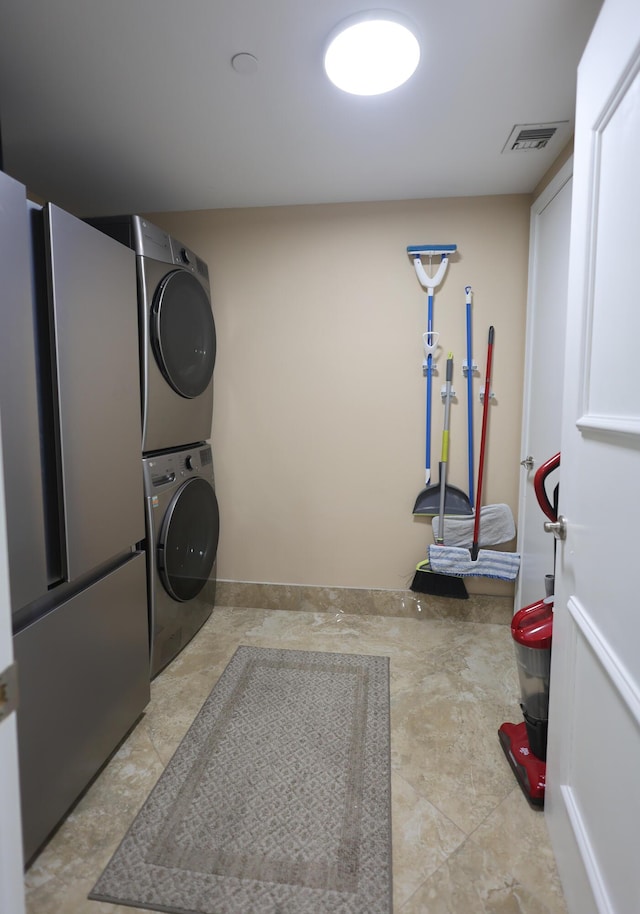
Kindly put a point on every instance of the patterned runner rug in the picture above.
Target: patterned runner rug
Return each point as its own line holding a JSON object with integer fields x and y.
{"x": 277, "y": 800}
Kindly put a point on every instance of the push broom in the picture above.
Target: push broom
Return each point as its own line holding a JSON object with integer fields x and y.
{"x": 459, "y": 562}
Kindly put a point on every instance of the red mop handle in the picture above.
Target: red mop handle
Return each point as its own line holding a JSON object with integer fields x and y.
{"x": 483, "y": 439}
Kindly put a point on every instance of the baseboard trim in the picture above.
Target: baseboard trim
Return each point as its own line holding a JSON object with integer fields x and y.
{"x": 360, "y": 601}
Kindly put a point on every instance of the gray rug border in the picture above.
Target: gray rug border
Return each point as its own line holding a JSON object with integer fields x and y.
{"x": 227, "y": 672}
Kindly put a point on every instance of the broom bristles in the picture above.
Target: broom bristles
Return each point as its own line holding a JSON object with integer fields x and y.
{"x": 437, "y": 585}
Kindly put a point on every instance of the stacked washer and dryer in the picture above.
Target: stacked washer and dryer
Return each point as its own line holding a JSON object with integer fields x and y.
{"x": 177, "y": 357}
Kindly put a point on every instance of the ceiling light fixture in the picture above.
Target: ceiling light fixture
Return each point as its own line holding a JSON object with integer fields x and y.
{"x": 372, "y": 53}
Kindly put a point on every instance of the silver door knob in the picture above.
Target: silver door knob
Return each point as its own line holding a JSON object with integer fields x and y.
{"x": 558, "y": 527}
{"x": 528, "y": 463}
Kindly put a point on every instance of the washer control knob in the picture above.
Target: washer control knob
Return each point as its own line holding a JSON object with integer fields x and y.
{"x": 190, "y": 465}
{"x": 184, "y": 256}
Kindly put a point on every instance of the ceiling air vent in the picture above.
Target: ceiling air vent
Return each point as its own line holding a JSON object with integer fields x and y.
{"x": 527, "y": 137}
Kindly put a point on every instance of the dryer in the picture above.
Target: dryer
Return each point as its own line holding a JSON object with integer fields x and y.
{"x": 183, "y": 526}
{"x": 177, "y": 334}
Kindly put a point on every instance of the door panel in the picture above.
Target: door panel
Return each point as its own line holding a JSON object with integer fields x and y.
{"x": 611, "y": 394}
{"x": 603, "y": 708}
{"x": 93, "y": 281}
{"x": 593, "y": 802}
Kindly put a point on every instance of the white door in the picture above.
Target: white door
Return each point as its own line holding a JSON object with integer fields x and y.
{"x": 11, "y": 863}
{"x": 593, "y": 792}
{"x": 544, "y": 364}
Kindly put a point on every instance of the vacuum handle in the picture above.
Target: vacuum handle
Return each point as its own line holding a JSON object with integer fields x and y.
{"x": 538, "y": 484}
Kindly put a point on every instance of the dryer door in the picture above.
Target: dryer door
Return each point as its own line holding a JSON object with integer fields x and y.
{"x": 188, "y": 539}
{"x": 183, "y": 334}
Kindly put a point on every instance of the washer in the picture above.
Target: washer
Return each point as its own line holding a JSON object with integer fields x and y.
{"x": 183, "y": 526}
{"x": 177, "y": 334}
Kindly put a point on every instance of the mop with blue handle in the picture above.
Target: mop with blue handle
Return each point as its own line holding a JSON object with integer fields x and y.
{"x": 427, "y": 502}
{"x": 468, "y": 295}
{"x": 486, "y": 563}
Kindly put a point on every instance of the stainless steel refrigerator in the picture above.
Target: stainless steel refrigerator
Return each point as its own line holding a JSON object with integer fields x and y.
{"x": 70, "y": 414}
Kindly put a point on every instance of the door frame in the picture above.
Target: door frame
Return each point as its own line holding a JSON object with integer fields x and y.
{"x": 526, "y": 495}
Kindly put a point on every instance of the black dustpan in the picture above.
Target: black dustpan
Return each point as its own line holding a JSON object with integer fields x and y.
{"x": 428, "y": 501}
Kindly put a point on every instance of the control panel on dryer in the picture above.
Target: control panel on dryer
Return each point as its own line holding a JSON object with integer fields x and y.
{"x": 164, "y": 470}
{"x": 159, "y": 472}
{"x": 184, "y": 257}
{"x": 196, "y": 460}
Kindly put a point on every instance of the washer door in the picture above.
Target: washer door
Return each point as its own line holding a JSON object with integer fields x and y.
{"x": 188, "y": 539}
{"x": 183, "y": 334}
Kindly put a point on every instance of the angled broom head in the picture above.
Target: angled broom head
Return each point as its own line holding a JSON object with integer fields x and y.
{"x": 425, "y": 580}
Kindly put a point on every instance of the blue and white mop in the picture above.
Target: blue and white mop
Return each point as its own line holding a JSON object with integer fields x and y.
{"x": 485, "y": 563}
{"x": 424, "y": 503}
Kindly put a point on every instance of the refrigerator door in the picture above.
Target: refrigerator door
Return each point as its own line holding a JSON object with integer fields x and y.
{"x": 83, "y": 680}
{"x": 18, "y": 402}
{"x": 94, "y": 299}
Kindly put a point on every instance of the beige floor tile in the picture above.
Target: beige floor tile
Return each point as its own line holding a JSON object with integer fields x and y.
{"x": 516, "y": 835}
{"x": 69, "y": 896}
{"x": 422, "y": 840}
{"x": 445, "y": 719}
{"x": 470, "y": 882}
{"x": 453, "y": 682}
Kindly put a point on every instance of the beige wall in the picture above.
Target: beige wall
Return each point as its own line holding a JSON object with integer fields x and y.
{"x": 319, "y": 398}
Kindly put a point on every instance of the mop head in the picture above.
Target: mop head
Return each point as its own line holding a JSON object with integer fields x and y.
{"x": 424, "y": 250}
{"x": 456, "y": 561}
{"x": 496, "y": 526}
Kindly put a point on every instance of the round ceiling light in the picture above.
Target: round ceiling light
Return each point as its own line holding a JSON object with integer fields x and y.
{"x": 372, "y": 53}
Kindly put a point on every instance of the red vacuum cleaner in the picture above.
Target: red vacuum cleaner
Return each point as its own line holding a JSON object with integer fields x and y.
{"x": 525, "y": 743}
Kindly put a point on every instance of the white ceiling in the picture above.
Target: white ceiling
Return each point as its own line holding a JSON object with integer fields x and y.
{"x": 110, "y": 106}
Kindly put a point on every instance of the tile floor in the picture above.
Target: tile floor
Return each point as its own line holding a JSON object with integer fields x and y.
{"x": 465, "y": 841}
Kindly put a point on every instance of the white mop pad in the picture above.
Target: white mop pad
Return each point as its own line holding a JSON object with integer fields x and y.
{"x": 496, "y": 526}
{"x": 489, "y": 564}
